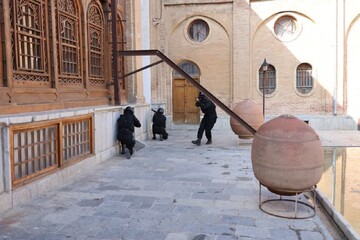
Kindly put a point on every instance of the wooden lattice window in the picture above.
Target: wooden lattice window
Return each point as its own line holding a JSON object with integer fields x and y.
{"x": 269, "y": 81}
{"x": 68, "y": 26}
{"x": 1, "y": 45}
{"x": 304, "y": 79}
{"x": 76, "y": 137}
{"x": 34, "y": 152}
{"x": 29, "y": 19}
{"x": 40, "y": 148}
{"x": 95, "y": 43}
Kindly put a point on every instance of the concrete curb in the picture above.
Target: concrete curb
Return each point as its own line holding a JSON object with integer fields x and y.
{"x": 345, "y": 227}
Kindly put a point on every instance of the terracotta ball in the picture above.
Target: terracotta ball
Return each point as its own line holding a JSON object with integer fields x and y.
{"x": 251, "y": 113}
{"x": 287, "y": 155}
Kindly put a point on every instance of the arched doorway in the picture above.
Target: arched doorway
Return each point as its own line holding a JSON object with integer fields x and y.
{"x": 184, "y": 95}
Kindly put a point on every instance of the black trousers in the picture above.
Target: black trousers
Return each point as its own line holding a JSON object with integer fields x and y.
{"x": 206, "y": 124}
{"x": 129, "y": 144}
{"x": 159, "y": 130}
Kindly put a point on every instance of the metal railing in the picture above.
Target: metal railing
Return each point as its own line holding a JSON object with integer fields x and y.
{"x": 187, "y": 77}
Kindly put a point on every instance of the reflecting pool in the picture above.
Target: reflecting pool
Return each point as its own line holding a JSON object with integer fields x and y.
{"x": 340, "y": 182}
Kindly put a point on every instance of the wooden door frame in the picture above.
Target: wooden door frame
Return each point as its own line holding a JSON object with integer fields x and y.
{"x": 186, "y": 85}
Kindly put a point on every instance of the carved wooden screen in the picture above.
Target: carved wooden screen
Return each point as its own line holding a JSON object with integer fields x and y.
{"x": 29, "y": 39}
{"x": 121, "y": 62}
{"x": 69, "y": 39}
{"x": 95, "y": 44}
{"x": 1, "y": 45}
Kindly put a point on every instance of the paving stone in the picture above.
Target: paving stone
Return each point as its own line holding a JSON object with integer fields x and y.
{"x": 311, "y": 235}
{"x": 170, "y": 190}
{"x": 287, "y": 234}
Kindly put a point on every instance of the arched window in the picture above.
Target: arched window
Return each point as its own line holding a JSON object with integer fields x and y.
{"x": 188, "y": 67}
{"x": 95, "y": 44}
{"x": 68, "y": 25}
{"x": 304, "y": 79}
{"x": 269, "y": 81}
{"x": 30, "y": 40}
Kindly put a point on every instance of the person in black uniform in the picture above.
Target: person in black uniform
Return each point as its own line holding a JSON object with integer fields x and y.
{"x": 209, "y": 119}
{"x": 125, "y": 131}
{"x": 159, "y": 124}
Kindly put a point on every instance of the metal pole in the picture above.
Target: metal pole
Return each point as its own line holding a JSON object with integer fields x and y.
{"x": 264, "y": 68}
{"x": 115, "y": 50}
{"x": 192, "y": 81}
{"x": 263, "y": 92}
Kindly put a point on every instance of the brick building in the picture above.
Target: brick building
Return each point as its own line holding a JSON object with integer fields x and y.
{"x": 310, "y": 47}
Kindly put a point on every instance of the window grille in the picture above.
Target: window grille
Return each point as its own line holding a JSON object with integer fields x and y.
{"x": 2, "y": 83}
{"x": 198, "y": 30}
{"x": 304, "y": 79}
{"x": 68, "y": 25}
{"x": 270, "y": 80}
{"x": 76, "y": 139}
{"x": 41, "y": 148}
{"x": 120, "y": 47}
{"x": 34, "y": 152}
{"x": 29, "y": 38}
{"x": 95, "y": 29}
{"x": 190, "y": 68}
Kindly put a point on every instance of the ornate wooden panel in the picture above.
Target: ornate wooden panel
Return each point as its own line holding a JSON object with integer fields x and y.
{"x": 48, "y": 77}
{"x": 1, "y": 46}
{"x": 178, "y": 101}
{"x": 121, "y": 61}
{"x": 29, "y": 40}
{"x": 95, "y": 45}
{"x": 69, "y": 43}
{"x": 184, "y": 109}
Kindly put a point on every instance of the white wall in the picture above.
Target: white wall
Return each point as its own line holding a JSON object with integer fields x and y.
{"x": 145, "y": 45}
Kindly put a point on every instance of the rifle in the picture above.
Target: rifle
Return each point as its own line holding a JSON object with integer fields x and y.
{"x": 154, "y": 110}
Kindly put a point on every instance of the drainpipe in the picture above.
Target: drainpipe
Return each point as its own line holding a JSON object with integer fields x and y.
{"x": 115, "y": 51}
{"x": 334, "y": 100}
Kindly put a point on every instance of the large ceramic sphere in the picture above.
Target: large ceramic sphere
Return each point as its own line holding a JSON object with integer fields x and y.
{"x": 250, "y": 113}
{"x": 287, "y": 155}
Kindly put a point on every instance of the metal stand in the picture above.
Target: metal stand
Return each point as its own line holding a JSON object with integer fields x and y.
{"x": 301, "y": 209}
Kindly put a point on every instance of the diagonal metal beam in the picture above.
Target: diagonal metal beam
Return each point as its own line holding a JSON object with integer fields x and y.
{"x": 141, "y": 69}
{"x": 192, "y": 81}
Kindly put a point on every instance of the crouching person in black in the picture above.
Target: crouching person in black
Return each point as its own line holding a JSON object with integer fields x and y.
{"x": 209, "y": 119}
{"x": 159, "y": 124}
{"x": 125, "y": 131}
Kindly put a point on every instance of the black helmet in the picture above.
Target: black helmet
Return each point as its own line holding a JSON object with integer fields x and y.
{"x": 129, "y": 109}
{"x": 160, "y": 110}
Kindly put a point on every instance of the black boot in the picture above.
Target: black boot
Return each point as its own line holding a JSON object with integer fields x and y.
{"x": 197, "y": 142}
{"x": 209, "y": 142}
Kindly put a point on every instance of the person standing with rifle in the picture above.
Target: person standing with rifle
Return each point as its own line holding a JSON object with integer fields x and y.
{"x": 209, "y": 119}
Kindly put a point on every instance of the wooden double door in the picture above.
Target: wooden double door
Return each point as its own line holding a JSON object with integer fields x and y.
{"x": 184, "y": 96}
